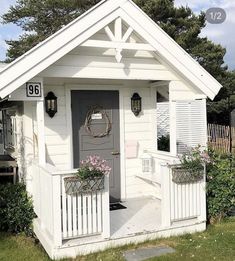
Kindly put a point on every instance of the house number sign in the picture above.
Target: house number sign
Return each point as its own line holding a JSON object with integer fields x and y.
{"x": 33, "y": 89}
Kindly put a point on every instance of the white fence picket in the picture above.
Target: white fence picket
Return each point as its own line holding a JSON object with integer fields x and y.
{"x": 74, "y": 216}
{"x": 99, "y": 213}
{"x": 84, "y": 214}
{"x": 69, "y": 218}
{"x": 94, "y": 213}
{"x": 89, "y": 217}
{"x": 64, "y": 214}
{"x": 79, "y": 198}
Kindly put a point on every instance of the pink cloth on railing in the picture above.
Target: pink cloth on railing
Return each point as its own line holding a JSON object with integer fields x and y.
{"x": 131, "y": 147}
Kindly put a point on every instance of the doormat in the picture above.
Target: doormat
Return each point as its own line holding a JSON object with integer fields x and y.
{"x": 116, "y": 206}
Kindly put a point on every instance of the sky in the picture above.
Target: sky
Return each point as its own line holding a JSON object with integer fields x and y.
{"x": 219, "y": 33}
{"x": 224, "y": 33}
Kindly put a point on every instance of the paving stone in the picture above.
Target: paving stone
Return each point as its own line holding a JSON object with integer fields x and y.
{"x": 141, "y": 254}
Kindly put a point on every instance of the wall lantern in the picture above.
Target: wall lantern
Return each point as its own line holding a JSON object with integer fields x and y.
{"x": 136, "y": 104}
{"x": 147, "y": 162}
{"x": 51, "y": 104}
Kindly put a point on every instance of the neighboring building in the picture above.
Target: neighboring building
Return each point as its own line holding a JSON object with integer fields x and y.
{"x": 101, "y": 60}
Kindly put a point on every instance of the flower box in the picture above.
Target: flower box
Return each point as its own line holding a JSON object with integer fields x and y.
{"x": 76, "y": 184}
{"x": 182, "y": 175}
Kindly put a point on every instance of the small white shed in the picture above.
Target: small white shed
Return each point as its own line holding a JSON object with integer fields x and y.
{"x": 108, "y": 56}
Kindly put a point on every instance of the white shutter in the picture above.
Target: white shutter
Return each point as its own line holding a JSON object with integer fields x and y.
{"x": 191, "y": 125}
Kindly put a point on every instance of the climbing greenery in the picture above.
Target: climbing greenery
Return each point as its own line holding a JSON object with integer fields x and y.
{"x": 163, "y": 143}
{"x": 220, "y": 185}
{"x": 16, "y": 208}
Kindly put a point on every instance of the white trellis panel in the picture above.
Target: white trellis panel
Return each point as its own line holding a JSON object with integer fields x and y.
{"x": 163, "y": 119}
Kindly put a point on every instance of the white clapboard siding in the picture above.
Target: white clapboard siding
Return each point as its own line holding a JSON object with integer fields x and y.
{"x": 102, "y": 62}
{"x": 81, "y": 62}
{"x": 137, "y": 129}
{"x": 190, "y": 124}
{"x": 56, "y": 133}
{"x": 130, "y": 128}
{"x": 56, "y": 140}
{"x": 131, "y": 118}
{"x": 107, "y": 72}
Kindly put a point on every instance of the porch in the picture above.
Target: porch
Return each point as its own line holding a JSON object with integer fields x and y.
{"x": 83, "y": 223}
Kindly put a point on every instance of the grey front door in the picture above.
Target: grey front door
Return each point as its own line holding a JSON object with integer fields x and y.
{"x": 85, "y": 144}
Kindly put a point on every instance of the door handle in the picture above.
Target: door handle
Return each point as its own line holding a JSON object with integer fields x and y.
{"x": 115, "y": 153}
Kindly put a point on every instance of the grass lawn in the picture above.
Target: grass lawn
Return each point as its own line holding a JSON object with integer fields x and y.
{"x": 217, "y": 243}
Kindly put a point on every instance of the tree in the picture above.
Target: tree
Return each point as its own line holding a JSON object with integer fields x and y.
{"x": 40, "y": 19}
{"x": 219, "y": 110}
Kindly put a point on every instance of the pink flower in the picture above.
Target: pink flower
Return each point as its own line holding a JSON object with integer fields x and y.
{"x": 95, "y": 163}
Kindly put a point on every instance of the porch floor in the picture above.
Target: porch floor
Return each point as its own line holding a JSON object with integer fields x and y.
{"x": 141, "y": 215}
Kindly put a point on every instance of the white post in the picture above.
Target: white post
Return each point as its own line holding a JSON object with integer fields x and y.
{"x": 41, "y": 133}
{"x": 166, "y": 197}
{"x": 106, "y": 212}
{"x": 27, "y": 146}
{"x": 172, "y": 103}
{"x": 118, "y": 29}
{"x": 173, "y": 139}
{"x": 56, "y": 201}
{"x": 203, "y": 216}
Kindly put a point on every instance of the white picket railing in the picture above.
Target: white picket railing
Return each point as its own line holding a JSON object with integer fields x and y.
{"x": 84, "y": 214}
{"x": 81, "y": 215}
{"x": 179, "y": 201}
{"x": 185, "y": 200}
{"x": 68, "y": 216}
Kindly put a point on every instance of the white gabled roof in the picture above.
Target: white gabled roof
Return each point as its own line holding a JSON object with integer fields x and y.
{"x": 66, "y": 39}
{"x": 2, "y": 65}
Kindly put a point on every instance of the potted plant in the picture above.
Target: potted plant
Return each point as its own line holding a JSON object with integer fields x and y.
{"x": 192, "y": 166}
{"x": 89, "y": 177}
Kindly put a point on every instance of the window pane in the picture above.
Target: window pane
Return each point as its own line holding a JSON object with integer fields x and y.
{"x": 163, "y": 120}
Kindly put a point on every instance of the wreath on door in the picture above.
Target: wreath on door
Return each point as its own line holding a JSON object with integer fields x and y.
{"x": 88, "y": 121}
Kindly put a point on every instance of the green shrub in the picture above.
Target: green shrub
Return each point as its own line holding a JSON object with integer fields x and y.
{"x": 163, "y": 143}
{"x": 16, "y": 208}
{"x": 220, "y": 186}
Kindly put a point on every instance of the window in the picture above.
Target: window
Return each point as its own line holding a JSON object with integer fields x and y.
{"x": 11, "y": 129}
{"x": 163, "y": 120}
